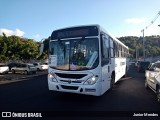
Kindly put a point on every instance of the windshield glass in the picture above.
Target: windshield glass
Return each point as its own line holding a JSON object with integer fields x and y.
{"x": 74, "y": 54}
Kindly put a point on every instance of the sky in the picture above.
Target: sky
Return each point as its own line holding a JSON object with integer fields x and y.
{"x": 36, "y": 19}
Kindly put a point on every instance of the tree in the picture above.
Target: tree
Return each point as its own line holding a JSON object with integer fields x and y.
{"x": 152, "y": 45}
{"x": 17, "y": 48}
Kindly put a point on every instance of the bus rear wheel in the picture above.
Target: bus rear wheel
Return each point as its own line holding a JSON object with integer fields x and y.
{"x": 112, "y": 81}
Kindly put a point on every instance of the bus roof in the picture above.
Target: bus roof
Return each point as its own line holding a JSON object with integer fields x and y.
{"x": 100, "y": 29}
{"x": 114, "y": 38}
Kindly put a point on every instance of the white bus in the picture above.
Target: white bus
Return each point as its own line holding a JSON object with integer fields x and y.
{"x": 85, "y": 60}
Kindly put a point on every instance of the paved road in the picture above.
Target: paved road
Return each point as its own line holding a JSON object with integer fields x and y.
{"x": 128, "y": 94}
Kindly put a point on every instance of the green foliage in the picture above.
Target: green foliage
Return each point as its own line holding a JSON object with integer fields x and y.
{"x": 2, "y": 57}
{"x": 46, "y": 44}
{"x": 152, "y": 45}
{"x": 17, "y": 48}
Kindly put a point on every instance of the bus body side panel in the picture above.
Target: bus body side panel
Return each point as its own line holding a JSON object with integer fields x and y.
{"x": 120, "y": 68}
{"x": 105, "y": 78}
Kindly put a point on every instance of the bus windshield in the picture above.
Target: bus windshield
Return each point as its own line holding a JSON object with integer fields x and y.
{"x": 74, "y": 54}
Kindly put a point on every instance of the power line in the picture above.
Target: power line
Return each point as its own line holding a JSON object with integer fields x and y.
{"x": 155, "y": 18}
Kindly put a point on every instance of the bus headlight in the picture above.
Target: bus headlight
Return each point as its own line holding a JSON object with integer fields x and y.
{"x": 91, "y": 80}
{"x": 52, "y": 78}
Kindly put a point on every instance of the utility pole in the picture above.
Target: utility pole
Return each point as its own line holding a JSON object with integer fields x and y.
{"x": 137, "y": 54}
{"x": 147, "y": 28}
{"x": 143, "y": 46}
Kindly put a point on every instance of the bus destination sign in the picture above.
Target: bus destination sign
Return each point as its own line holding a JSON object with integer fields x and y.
{"x": 75, "y": 32}
{"x": 82, "y": 32}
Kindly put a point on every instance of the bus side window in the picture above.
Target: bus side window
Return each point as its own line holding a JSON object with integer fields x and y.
{"x": 115, "y": 49}
{"x": 112, "y": 53}
{"x": 104, "y": 50}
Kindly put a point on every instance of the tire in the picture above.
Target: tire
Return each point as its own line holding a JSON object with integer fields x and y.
{"x": 158, "y": 94}
{"x": 112, "y": 81}
{"x": 13, "y": 71}
{"x": 34, "y": 72}
{"x": 26, "y": 72}
{"x": 146, "y": 84}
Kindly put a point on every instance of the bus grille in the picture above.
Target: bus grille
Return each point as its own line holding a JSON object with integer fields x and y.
{"x": 69, "y": 87}
{"x": 73, "y": 76}
{"x": 65, "y": 81}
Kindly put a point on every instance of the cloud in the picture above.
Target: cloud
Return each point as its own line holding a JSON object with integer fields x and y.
{"x": 136, "y": 31}
{"x": 135, "y": 20}
{"x": 8, "y": 32}
{"x": 153, "y": 30}
{"x": 37, "y": 36}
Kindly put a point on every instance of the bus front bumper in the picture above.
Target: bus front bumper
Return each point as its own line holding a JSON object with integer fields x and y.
{"x": 94, "y": 89}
